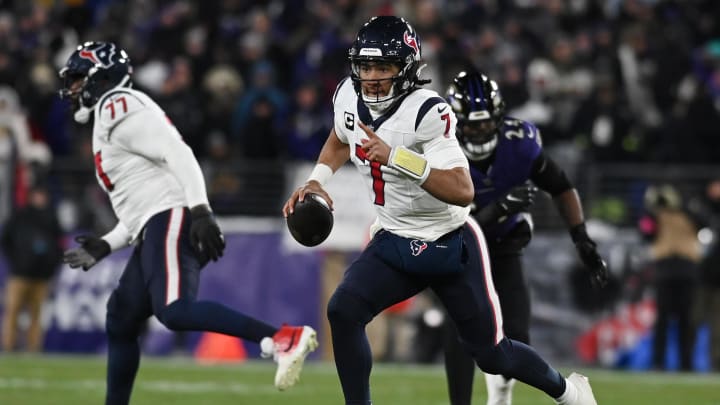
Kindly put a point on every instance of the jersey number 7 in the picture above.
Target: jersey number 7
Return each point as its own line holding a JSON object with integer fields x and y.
{"x": 375, "y": 173}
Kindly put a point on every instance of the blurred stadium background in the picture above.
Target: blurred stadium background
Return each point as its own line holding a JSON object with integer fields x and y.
{"x": 625, "y": 92}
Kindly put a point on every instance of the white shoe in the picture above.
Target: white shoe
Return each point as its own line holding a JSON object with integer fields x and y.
{"x": 583, "y": 394}
{"x": 499, "y": 389}
{"x": 291, "y": 345}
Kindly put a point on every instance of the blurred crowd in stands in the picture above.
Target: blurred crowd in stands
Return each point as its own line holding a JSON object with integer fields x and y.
{"x": 249, "y": 85}
{"x": 252, "y": 80}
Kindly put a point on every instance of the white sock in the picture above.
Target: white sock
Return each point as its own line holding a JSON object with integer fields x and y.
{"x": 569, "y": 396}
{"x": 499, "y": 389}
{"x": 267, "y": 347}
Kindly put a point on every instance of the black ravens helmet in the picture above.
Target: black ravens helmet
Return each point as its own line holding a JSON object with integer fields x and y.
{"x": 311, "y": 220}
{"x": 480, "y": 109}
{"x": 99, "y": 67}
{"x": 387, "y": 39}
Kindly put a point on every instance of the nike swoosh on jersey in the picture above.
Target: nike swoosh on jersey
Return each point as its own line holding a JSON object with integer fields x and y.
{"x": 440, "y": 110}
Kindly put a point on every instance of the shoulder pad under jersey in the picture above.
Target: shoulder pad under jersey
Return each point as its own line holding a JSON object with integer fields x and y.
{"x": 118, "y": 105}
{"x": 434, "y": 119}
{"x": 338, "y": 87}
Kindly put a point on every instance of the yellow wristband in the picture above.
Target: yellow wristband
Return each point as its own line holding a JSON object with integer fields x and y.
{"x": 409, "y": 163}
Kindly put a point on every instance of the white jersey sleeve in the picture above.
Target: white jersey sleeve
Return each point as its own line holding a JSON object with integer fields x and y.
{"x": 142, "y": 135}
{"x": 141, "y": 160}
{"x": 343, "y": 97}
{"x": 118, "y": 238}
{"x": 436, "y": 138}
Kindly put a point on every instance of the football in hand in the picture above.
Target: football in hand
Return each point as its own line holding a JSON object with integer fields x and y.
{"x": 311, "y": 221}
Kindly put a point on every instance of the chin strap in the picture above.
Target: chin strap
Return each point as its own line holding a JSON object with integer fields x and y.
{"x": 420, "y": 81}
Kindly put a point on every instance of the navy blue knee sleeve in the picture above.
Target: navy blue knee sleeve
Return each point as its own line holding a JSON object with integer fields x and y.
{"x": 348, "y": 316}
{"x": 517, "y": 360}
{"x": 493, "y": 359}
{"x": 186, "y": 314}
{"x": 175, "y": 315}
{"x": 118, "y": 327}
{"x": 346, "y": 307}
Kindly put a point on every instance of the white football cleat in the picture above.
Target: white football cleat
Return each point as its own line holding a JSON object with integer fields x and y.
{"x": 580, "y": 393}
{"x": 291, "y": 344}
{"x": 499, "y": 389}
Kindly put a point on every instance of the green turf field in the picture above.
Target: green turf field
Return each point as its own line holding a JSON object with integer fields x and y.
{"x": 79, "y": 380}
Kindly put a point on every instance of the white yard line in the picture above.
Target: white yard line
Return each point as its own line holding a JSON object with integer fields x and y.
{"x": 156, "y": 385}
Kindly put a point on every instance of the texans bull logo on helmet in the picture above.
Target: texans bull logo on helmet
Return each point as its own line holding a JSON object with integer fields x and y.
{"x": 102, "y": 55}
{"x": 410, "y": 41}
{"x": 98, "y": 67}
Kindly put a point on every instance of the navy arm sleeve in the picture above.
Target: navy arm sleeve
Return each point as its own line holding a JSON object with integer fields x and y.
{"x": 548, "y": 176}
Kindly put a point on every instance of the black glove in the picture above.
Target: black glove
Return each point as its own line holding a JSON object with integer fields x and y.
{"x": 205, "y": 234}
{"x": 587, "y": 249}
{"x": 91, "y": 250}
{"x": 517, "y": 200}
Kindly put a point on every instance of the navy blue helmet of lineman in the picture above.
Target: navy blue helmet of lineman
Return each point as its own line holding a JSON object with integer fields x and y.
{"x": 100, "y": 66}
{"x": 387, "y": 39}
{"x": 480, "y": 109}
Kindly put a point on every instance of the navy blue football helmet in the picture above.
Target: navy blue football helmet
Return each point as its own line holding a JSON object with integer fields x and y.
{"x": 387, "y": 39}
{"x": 101, "y": 66}
{"x": 480, "y": 110}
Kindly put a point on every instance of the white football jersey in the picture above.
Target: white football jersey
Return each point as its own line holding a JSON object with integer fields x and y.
{"x": 141, "y": 160}
{"x": 424, "y": 123}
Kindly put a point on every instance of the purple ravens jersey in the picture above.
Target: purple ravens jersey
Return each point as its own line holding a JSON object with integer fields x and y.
{"x": 518, "y": 146}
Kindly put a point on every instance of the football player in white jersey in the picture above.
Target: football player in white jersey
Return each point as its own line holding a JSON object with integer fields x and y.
{"x": 402, "y": 140}
{"x": 158, "y": 194}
